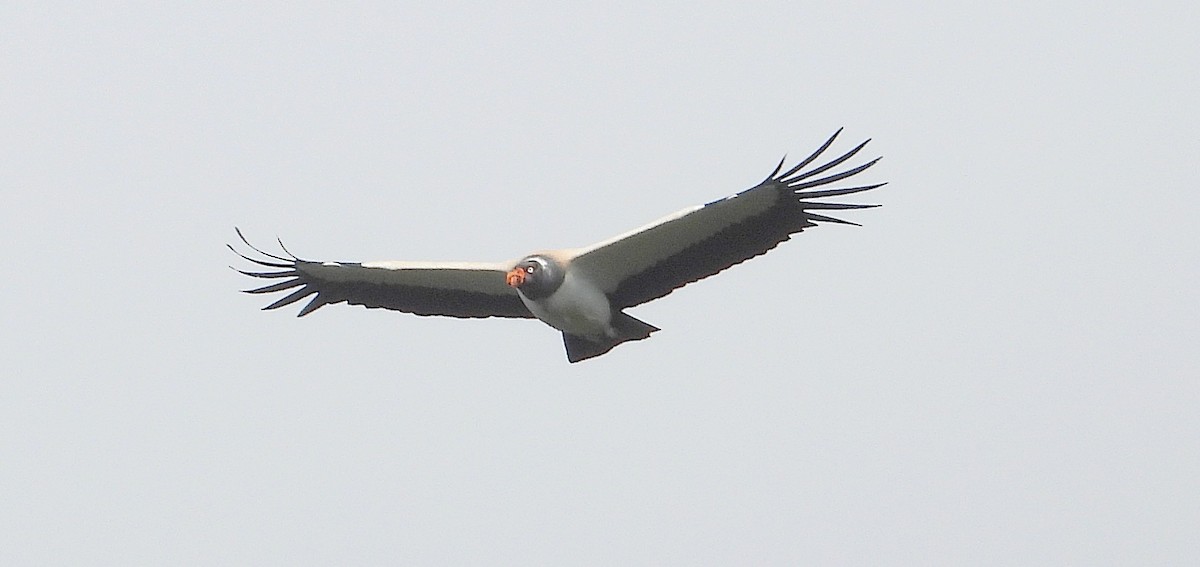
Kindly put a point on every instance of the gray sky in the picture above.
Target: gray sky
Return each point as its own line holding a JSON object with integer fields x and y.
{"x": 999, "y": 367}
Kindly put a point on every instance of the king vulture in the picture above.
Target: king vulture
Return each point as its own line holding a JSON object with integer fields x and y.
{"x": 582, "y": 292}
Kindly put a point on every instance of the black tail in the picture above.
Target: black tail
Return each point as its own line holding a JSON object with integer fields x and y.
{"x": 628, "y": 329}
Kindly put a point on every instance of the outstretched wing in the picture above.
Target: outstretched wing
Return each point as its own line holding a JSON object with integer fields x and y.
{"x": 452, "y": 289}
{"x": 692, "y": 244}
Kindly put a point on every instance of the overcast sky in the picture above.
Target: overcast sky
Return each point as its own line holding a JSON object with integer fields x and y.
{"x": 999, "y": 367}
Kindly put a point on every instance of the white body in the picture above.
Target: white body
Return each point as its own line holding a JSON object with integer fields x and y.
{"x": 575, "y": 308}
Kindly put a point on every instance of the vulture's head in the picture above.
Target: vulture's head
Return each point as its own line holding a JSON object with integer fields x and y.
{"x": 536, "y": 276}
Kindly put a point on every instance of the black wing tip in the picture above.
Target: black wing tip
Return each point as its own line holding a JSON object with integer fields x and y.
{"x": 834, "y": 136}
{"x": 814, "y": 217}
{"x": 292, "y": 258}
{"x": 779, "y": 167}
{"x": 784, "y": 178}
{"x": 285, "y": 250}
{"x": 819, "y": 205}
{"x": 836, "y": 192}
{"x": 286, "y": 267}
{"x": 797, "y": 180}
{"x": 314, "y": 304}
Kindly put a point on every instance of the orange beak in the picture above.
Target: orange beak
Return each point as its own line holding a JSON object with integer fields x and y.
{"x": 516, "y": 277}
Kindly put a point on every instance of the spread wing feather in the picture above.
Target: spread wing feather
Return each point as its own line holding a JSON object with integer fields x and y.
{"x": 452, "y": 289}
{"x": 652, "y": 261}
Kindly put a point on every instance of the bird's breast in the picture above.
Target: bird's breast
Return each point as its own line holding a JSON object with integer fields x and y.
{"x": 576, "y": 307}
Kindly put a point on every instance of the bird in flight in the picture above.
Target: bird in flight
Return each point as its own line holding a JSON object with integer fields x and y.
{"x": 582, "y": 292}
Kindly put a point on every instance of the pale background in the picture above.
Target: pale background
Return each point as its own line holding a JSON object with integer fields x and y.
{"x": 1000, "y": 367}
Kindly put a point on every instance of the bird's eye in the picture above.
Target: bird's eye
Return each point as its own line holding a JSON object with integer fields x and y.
{"x": 529, "y": 269}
